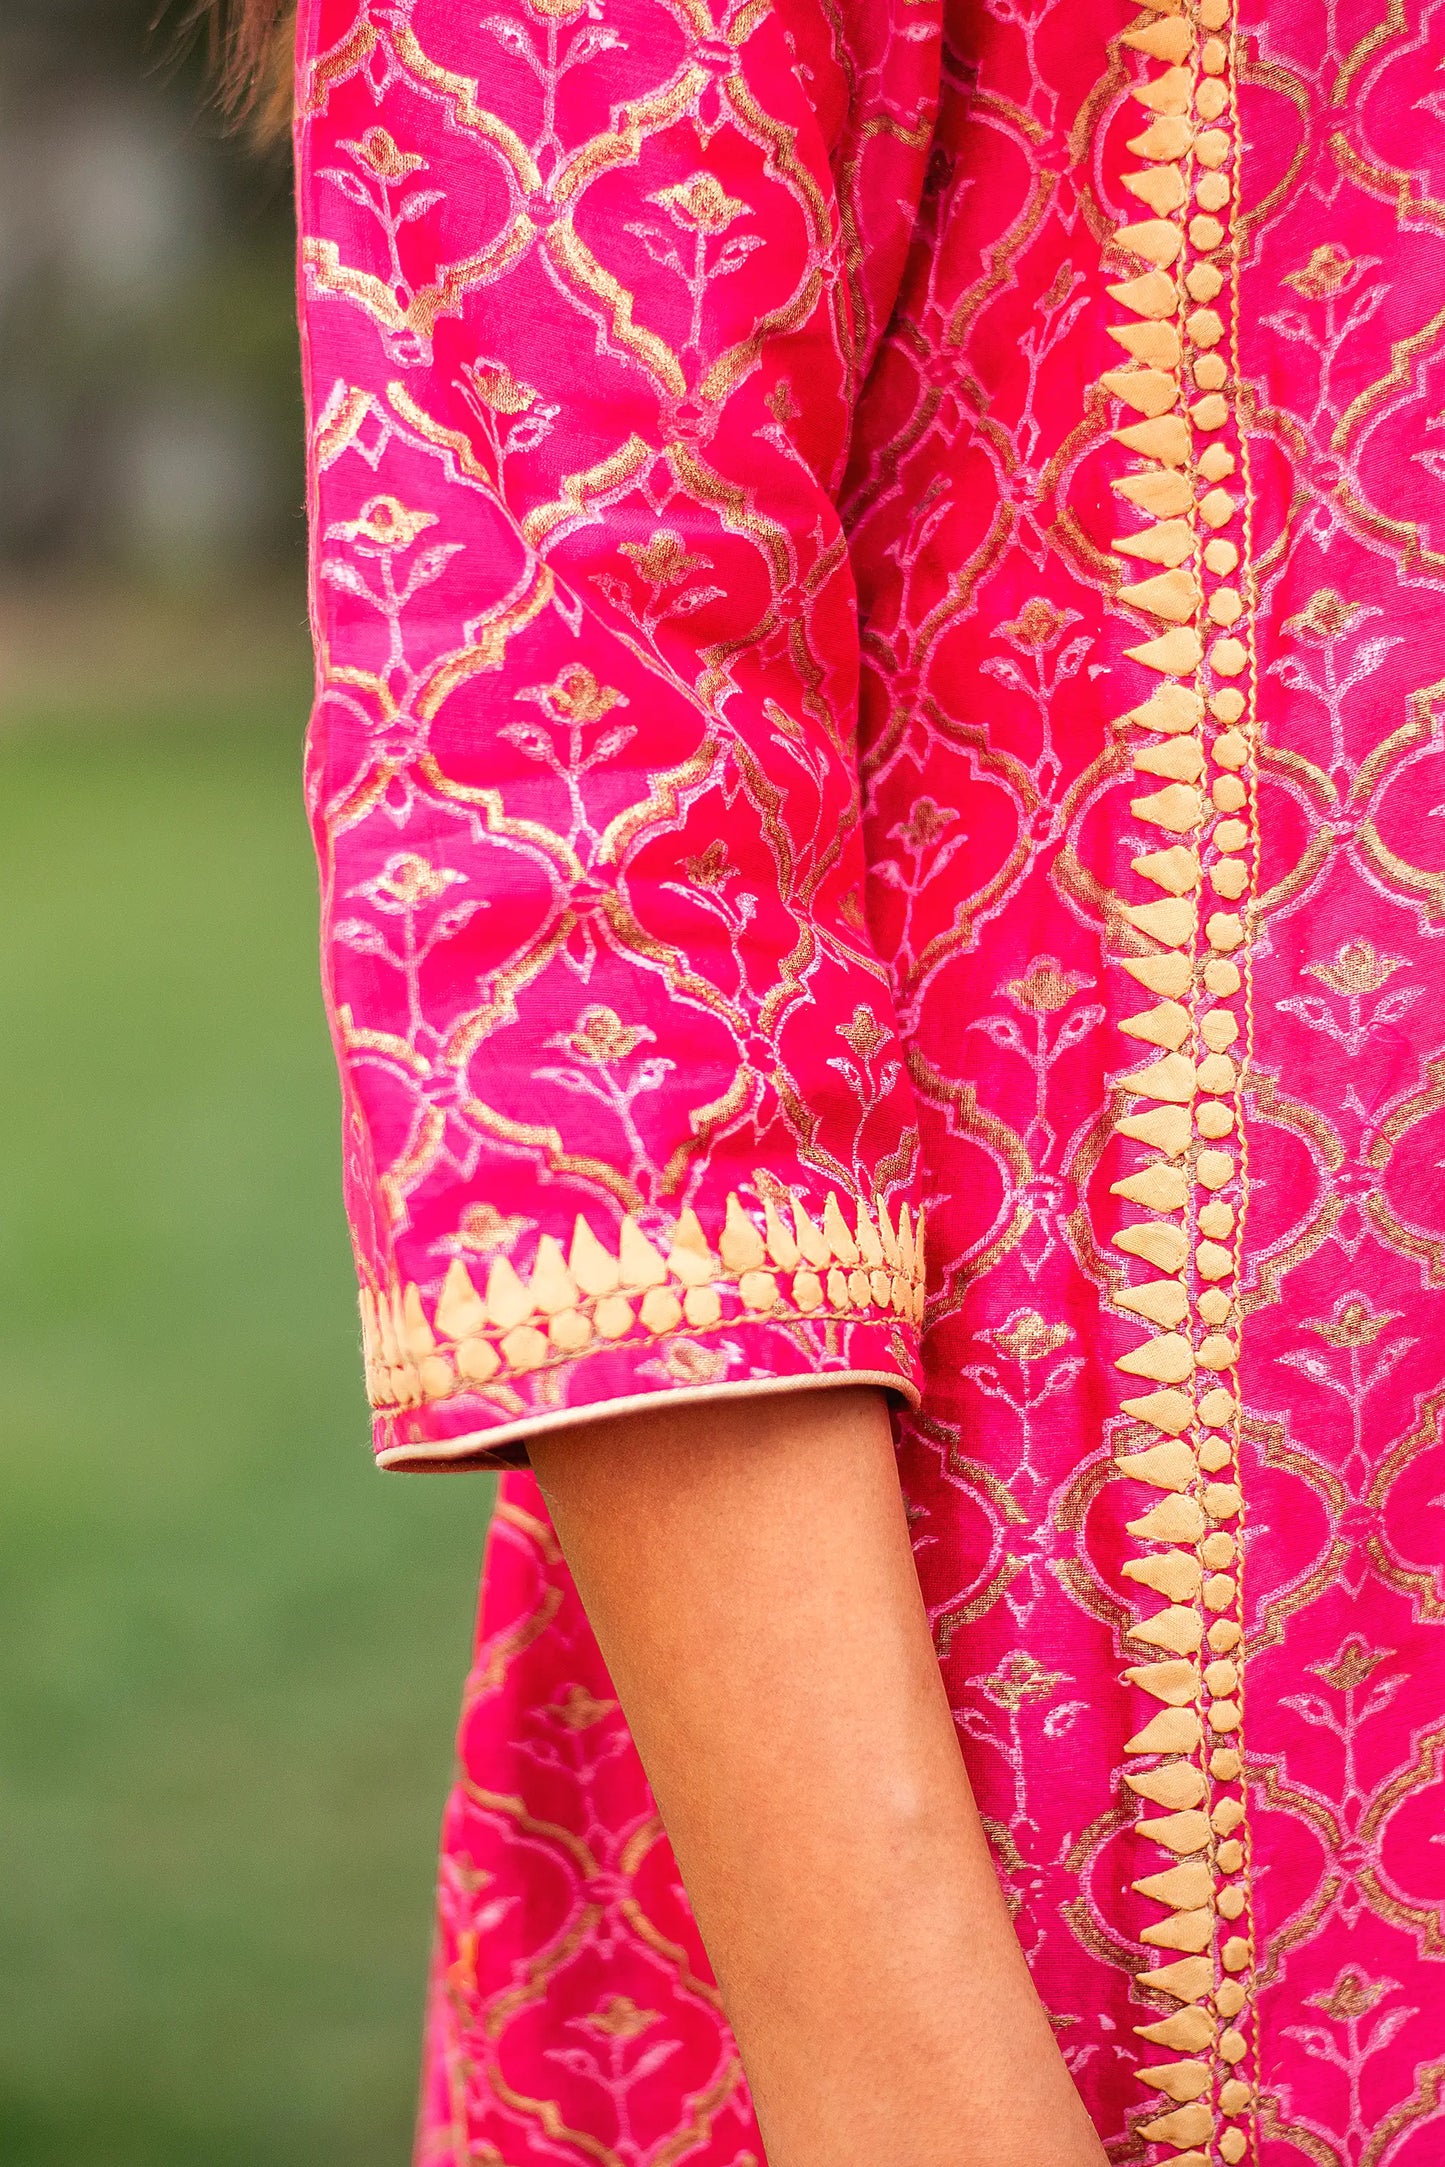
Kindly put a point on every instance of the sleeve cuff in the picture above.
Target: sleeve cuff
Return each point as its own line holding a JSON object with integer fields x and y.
{"x": 464, "y": 1378}
{"x": 506, "y": 1445}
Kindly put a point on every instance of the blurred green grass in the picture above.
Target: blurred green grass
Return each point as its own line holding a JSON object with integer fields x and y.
{"x": 230, "y": 1652}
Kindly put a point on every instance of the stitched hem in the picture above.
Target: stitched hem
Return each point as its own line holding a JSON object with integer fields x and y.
{"x": 505, "y": 1446}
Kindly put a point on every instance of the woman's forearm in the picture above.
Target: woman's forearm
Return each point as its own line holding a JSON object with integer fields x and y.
{"x": 746, "y": 1568}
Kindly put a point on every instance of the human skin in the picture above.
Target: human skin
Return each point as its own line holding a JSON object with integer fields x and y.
{"x": 746, "y": 1568}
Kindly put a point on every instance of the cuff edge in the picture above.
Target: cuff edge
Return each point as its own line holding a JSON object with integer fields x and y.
{"x": 495, "y": 1450}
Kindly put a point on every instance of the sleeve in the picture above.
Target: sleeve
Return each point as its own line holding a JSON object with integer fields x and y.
{"x": 625, "y": 1107}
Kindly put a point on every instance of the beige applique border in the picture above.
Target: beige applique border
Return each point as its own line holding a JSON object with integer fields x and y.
{"x": 793, "y": 1268}
{"x": 1193, "y": 745}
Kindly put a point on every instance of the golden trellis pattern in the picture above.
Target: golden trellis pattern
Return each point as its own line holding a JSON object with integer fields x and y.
{"x": 878, "y": 580}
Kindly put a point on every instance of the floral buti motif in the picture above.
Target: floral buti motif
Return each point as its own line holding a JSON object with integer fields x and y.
{"x": 794, "y": 1267}
{"x": 382, "y": 526}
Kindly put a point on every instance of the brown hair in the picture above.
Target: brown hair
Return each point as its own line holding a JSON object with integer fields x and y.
{"x": 252, "y": 42}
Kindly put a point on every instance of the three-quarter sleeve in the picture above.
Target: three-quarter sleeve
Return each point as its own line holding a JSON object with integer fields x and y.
{"x": 625, "y": 1110}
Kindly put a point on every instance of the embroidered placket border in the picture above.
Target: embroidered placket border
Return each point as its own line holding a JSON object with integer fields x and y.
{"x": 1193, "y": 742}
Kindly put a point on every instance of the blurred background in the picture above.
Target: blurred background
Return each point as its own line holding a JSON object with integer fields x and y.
{"x": 230, "y": 1653}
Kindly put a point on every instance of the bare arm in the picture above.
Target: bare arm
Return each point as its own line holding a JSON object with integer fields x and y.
{"x": 747, "y": 1571}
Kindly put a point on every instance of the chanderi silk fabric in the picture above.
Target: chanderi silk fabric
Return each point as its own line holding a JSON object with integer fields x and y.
{"x": 878, "y": 775}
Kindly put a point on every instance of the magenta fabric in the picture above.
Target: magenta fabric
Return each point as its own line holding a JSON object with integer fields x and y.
{"x": 877, "y": 581}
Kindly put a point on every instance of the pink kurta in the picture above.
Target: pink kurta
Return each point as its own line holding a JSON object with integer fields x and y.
{"x": 878, "y": 772}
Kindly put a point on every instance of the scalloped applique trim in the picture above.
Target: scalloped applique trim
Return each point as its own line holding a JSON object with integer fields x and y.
{"x": 792, "y": 1269}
